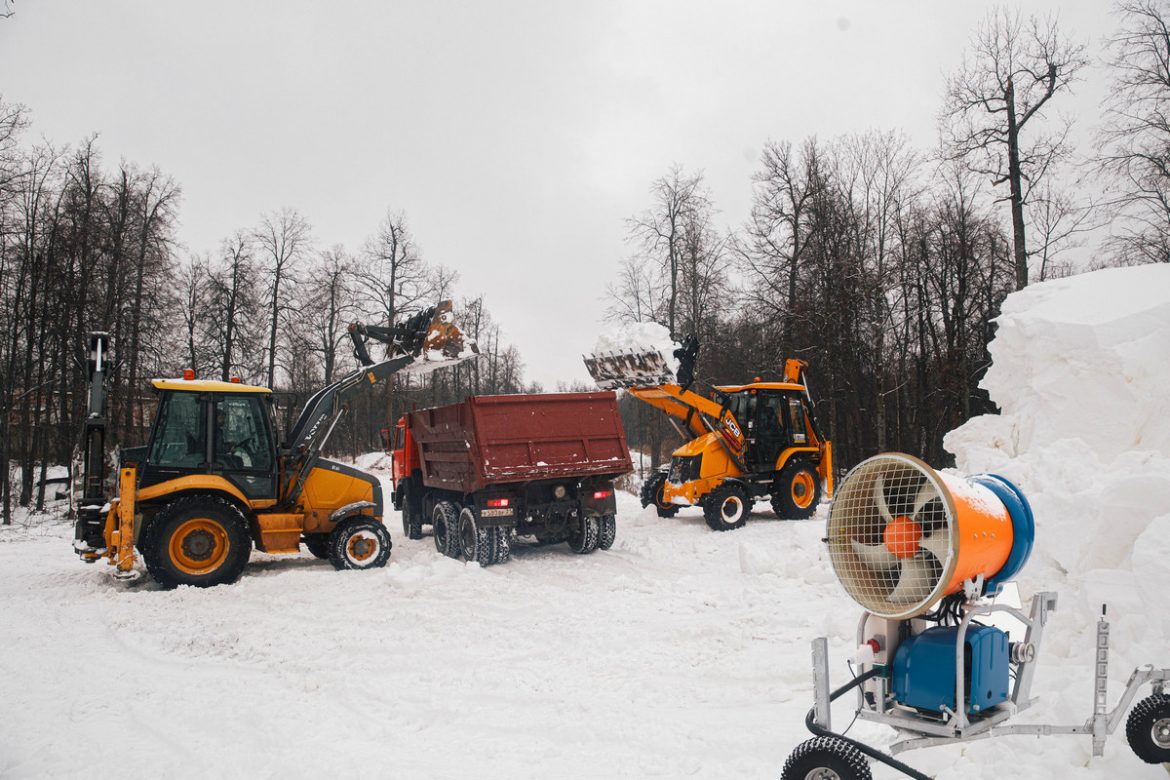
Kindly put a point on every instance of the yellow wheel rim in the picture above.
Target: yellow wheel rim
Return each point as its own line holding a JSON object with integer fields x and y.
{"x": 803, "y": 489}
{"x": 199, "y": 546}
{"x": 361, "y": 547}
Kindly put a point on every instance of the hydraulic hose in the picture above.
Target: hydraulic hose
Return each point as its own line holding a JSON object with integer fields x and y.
{"x": 874, "y": 753}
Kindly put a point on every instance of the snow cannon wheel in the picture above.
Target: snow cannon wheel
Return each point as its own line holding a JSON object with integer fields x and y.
{"x": 607, "y": 532}
{"x": 583, "y": 535}
{"x": 796, "y": 491}
{"x": 445, "y": 526}
{"x": 652, "y": 494}
{"x": 478, "y": 544}
{"x": 826, "y": 758}
{"x": 1148, "y": 729}
{"x": 359, "y": 543}
{"x": 199, "y": 540}
{"x": 317, "y": 544}
{"x": 726, "y": 507}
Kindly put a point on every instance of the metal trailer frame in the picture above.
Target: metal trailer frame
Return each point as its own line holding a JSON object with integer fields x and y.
{"x": 920, "y": 731}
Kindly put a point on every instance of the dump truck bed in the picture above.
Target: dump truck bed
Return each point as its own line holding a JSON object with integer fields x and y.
{"x": 499, "y": 439}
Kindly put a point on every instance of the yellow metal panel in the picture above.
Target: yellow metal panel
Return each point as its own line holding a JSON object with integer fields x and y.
{"x": 204, "y": 482}
{"x": 760, "y": 386}
{"x": 280, "y": 532}
{"x": 326, "y": 491}
{"x": 206, "y": 386}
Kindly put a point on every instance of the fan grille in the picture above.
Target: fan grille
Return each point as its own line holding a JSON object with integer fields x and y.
{"x": 893, "y": 563}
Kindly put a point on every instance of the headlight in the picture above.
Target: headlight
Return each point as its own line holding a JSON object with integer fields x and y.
{"x": 559, "y": 492}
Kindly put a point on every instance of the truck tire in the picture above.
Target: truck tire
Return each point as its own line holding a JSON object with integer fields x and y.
{"x": 607, "y": 532}
{"x": 502, "y": 538}
{"x": 652, "y": 494}
{"x": 359, "y": 543}
{"x": 726, "y": 507}
{"x": 796, "y": 491}
{"x": 478, "y": 544}
{"x": 445, "y": 525}
{"x": 199, "y": 540}
{"x": 317, "y": 544}
{"x": 583, "y": 535}
{"x": 411, "y": 516}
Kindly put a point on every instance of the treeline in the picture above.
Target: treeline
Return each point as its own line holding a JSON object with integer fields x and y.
{"x": 884, "y": 265}
{"x": 85, "y": 246}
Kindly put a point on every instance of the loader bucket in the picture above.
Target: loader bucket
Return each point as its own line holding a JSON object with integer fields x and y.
{"x": 611, "y": 370}
{"x": 445, "y": 338}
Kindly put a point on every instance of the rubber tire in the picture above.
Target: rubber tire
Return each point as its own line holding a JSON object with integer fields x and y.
{"x": 782, "y": 503}
{"x": 583, "y": 538}
{"x": 652, "y": 494}
{"x": 212, "y": 507}
{"x": 607, "y": 532}
{"x": 317, "y": 544}
{"x": 830, "y": 753}
{"x": 502, "y": 541}
{"x": 339, "y": 539}
{"x": 713, "y": 507}
{"x": 445, "y": 526}
{"x": 1139, "y": 728}
{"x": 476, "y": 544}
{"x": 411, "y": 524}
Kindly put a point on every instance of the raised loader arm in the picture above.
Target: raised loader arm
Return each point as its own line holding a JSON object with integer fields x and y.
{"x": 647, "y": 376}
{"x": 429, "y": 337}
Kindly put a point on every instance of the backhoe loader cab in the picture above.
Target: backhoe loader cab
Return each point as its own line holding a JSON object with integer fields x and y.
{"x": 744, "y": 443}
{"x": 213, "y": 480}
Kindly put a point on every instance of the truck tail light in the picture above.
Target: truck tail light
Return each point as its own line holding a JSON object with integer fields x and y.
{"x": 602, "y": 493}
{"x": 494, "y": 502}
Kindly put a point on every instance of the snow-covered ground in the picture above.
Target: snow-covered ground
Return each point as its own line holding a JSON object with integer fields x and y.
{"x": 681, "y": 652}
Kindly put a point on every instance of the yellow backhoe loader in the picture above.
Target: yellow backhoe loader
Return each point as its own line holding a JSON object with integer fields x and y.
{"x": 743, "y": 443}
{"x": 213, "y": 480}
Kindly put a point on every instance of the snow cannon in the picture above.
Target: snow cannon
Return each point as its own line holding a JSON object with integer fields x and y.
{"x": 903, "y": 536}
{"x": 945, "y": 654}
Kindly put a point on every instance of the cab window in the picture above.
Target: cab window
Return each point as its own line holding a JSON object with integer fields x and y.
{"x": 796, "y": 421}
{"x": 241, "y": 437}
{"x": 180, "y": 438}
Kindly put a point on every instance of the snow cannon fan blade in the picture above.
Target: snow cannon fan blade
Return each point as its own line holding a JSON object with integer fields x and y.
{"x": 633, "y": 368}
{"x": 902, "y": 536}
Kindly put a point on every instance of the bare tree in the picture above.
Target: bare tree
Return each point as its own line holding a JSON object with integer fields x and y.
{"x": 281, "y": 240}
{"x": 658, "y": 231}
{"x": 1134, "y": 144}
{"x": 1059, "y": 224}
{"x": 1015, "y": 68}
{"x": 393, "y": 276}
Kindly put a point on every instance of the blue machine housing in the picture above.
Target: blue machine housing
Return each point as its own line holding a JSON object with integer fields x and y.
{"x": 924, "y": 669}
{"x": 1023, "y": 527}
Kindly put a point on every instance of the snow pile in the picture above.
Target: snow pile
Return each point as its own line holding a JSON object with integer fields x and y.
{"x": 1081, "y": 368}
{"x": 638, "y": 337}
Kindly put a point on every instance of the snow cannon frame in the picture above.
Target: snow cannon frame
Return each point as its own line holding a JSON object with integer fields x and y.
{"x": 902, "y": 536}
{"x": 943, "y": 677}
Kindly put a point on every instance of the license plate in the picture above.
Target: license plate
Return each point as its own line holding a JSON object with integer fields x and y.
{"x": 495, "y": 512}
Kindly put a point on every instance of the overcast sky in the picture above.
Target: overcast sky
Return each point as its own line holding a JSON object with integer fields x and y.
{"x": 517, "y": 137}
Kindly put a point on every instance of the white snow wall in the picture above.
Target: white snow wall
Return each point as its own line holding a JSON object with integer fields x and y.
{"x": 1081, "y": 372}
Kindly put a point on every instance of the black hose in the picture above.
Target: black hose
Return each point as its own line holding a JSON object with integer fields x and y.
{"x": 874, "y": 753}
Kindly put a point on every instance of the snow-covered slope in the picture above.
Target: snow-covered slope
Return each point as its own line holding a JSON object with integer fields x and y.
{"x": 1081, "y": 371}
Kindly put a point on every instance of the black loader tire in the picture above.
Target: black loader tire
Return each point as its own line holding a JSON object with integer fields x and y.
{"x": 317, "y": 544}
{"x": 359, "y": 543}
{"x": 1148, "y": 729}
{"x": 476, "y": 543}
{"x": 607, "y": 532}
{"x": 834, "y": 757}
{"x": 199, "y": 540}
{"x": 652, "y": 494}
{"x": 445, "y": 526}
{"x": 726, "y": 507}
{"x": 796, "y": 491}
{"x": 411, "y": 519}
{"x": 583, "y": 535}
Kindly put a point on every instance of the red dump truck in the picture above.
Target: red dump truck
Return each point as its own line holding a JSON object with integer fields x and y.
{"x": 494, "y": 467}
